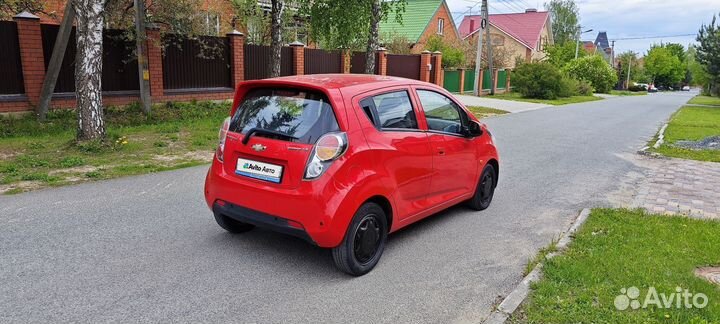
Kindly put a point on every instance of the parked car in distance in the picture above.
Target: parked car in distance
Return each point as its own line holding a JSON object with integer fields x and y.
{"x": 652, "y": 88}
{"x": 342, "y": 160}
{"x": 686, "y": 88}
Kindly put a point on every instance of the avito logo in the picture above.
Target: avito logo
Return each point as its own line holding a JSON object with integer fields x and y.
{"x": 255, "y": 167}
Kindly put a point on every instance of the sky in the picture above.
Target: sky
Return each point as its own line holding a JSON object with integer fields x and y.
{"x": 620, "y": 18}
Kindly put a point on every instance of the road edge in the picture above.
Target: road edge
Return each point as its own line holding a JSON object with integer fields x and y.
{"x": 522, "y": 290}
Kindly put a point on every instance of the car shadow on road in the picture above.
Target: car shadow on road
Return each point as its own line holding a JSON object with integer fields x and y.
{"x": 294, "y": 257}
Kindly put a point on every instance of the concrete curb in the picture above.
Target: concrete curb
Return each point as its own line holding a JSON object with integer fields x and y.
{"x": 661, "y": 136}
{"x": 518, "y": 295}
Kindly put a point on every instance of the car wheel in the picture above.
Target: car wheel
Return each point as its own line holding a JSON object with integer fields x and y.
{"x": 232, "y": 225}
{"x": 485, "y": 189}
{"x": 364, "y": 241}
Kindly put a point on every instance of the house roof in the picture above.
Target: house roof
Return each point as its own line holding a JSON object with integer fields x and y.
{"x": 526, "y": 27}
{"x": 415, "y": 19}
{"x": 602, "y": 40}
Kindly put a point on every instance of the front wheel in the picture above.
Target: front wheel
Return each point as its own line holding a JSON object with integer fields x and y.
{"x": 485, "y": 189}
{"x": 364, "y": 241}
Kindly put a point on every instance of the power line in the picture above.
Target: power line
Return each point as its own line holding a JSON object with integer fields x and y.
{"x": 651, "y": 37}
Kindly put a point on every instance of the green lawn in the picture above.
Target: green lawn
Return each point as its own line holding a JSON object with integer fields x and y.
{"x": 176, "y": 135}
{"x": 627, "y": 93}
{"x": 484, "y": 112}
{"x": 556, "y": 102}
{"x": 692, "y": 123}
{"x": 705, "y": 100}
{"x": 618, "y": 249}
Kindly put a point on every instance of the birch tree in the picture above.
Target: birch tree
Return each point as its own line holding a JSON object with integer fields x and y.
{"x": 88, "y": 68}
{"x": 276, "y": 13}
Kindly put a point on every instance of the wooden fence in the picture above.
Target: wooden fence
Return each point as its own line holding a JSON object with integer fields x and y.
{"x": 11, "y": 80}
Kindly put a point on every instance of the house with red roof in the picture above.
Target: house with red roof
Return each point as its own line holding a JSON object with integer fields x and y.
{"x": 521, "y": 36}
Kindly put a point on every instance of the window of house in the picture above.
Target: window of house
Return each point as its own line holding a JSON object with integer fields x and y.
{"x": 390, "y": 110}
{"x": 441, "y": 26}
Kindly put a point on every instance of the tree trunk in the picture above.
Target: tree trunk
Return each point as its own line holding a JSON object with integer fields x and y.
{"x": 276, "y": 34}
{"x": 372, "y": 44}
{"x": 88, "y": 69}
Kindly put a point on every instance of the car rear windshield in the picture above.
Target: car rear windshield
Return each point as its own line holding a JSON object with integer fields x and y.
{"x": 302, "y": 116}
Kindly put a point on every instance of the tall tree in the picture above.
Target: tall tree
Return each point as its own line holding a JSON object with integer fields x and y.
{"x": 88, "y": 68}
{"x": 565, "y": 17}
{"x": 10, "y": 8}
{"x": 276, "y": 13}
{"x": 663, "y": 66}
{"x": 373, "y": 36}
{"x": 708, "y": 54}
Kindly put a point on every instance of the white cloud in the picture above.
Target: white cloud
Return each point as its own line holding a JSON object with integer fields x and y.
{"x": 622, "y": 18}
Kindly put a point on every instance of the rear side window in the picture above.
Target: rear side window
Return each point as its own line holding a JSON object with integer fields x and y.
{"x": 302, "y": 115}
{"x": 390, "y": 110}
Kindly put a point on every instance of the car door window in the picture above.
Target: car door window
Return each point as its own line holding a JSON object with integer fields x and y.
{"x": 442, "y": 114}
{"x": 391, "y": 110}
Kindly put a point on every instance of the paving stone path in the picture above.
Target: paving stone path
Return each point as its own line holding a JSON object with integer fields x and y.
{"x": 679, "y": 187}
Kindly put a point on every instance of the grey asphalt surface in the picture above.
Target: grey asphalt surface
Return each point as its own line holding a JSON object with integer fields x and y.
{"x": 146, "y": 248}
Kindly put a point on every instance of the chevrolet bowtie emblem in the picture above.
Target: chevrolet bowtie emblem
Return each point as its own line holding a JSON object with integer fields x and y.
{"x": 259, "y": 147}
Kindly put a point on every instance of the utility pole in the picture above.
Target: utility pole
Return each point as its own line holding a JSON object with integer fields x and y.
{"x": 56, "y": 59}
{"x": 577, "y": 42}
{"x": 612, "y": 54}
{"x": 478, "y": 55}
{"x": 141, "y": 43}
{"x": 489, "y": 48}
{"x": 628, "y": 76}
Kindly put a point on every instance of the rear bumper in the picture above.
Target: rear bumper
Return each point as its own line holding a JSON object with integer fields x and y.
{"x": 260, "y": 219}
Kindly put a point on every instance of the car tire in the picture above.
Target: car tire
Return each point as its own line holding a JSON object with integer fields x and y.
{"x": 485, "y": 189}
{"x": 232, "y": 225}
{"x": 364, "y": 241}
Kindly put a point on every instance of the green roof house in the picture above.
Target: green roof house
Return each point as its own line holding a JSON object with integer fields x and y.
{"x": 421, "y": 20}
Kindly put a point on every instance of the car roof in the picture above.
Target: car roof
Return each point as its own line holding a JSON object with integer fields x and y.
{"x": 352, "y": 82}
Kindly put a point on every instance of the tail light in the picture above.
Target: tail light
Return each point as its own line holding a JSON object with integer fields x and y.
{"x": 223, "y": 136}
{"x": 327, "y": 149}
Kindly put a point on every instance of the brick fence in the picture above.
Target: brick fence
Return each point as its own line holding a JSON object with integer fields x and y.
{"x": 33, "y": 71}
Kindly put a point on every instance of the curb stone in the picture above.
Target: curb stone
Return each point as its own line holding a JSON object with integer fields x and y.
{"x": 661, "y": 136}
{"x": 521, "y": 291}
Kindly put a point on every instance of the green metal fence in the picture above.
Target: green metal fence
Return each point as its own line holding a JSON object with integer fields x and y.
{"x": 469, "y": 80}
{"x": 451, "y": 81}
{"x": 502, "y": 79}
{"x": 487, "y": 81}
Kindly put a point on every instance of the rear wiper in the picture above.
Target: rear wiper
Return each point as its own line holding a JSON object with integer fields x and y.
{"x": 255, "y": 130}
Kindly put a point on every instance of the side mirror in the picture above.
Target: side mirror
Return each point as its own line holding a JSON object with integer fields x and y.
{"x": 473, "y": 129}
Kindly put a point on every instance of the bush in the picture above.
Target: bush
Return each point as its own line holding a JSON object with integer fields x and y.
{"x": 585, "y": 88}
{"x": 538, "y": 80}
{"x": 568, "y": 87}
{"x": 636, "y": 88}
{"x": 595, "y": 70}
{"x": 452, "y": 55}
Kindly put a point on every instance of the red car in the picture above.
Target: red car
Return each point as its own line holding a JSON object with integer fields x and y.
{"x": 342, "y": 160}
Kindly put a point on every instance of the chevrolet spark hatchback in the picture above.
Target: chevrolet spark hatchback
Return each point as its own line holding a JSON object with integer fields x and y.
{"x": 341, "y": 161}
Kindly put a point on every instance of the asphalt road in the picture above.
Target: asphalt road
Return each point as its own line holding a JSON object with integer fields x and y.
{"x": 147, "y": 249}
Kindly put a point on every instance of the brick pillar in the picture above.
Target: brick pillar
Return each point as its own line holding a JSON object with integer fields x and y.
{"x": 31, "y": 54}
{"x": 425, "y": 66}
{"x": 507, "y": 81}
{"x": 495, "y": 80}
{"x": 437, "y": 60}
{"x": 382, "y": 61}
{"x": 237, "y": 57}
{"x": 480, "y": 77}
{"x": 345, "y": 59}
{"x": 298, "y": 57}
{"x": 462, "y": 80}
{"x": 155, "y": 63}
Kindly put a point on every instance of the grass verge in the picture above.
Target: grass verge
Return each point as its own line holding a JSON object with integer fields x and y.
{"x": 627, "y": 93}
{"x": 618, "y": 249}
{"x": 39, "y": 155}
{"x": 555, "y": 102}
{"x": 705, "y": 100}
{"x": 484, "y": 112}
{"x": 692, "y": 124}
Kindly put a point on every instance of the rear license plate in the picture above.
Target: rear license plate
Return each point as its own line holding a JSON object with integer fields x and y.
{"x": 259, "y": 170}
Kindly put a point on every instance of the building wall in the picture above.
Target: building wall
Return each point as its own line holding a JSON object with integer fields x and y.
{"x": 546, "y": 39}
{"x": 450, "y": 34}
{"x": 513, "y": 49}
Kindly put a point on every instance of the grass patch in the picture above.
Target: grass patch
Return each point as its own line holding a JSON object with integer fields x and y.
{"x": 516, "y": 96}
{"x": 37, "y": 155}
{"x": 693, "y": 124}
{"x": 618, "y": 249}
{"x": 540, "y": 256}
{"x": 484, "y": 112}
{"x": 627, "y": 93}
{"x": 705, "y": 100}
